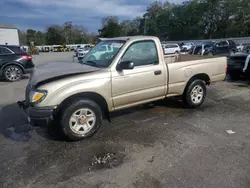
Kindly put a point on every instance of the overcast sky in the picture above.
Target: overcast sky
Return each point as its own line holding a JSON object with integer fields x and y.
{"x": 38, "y": 14}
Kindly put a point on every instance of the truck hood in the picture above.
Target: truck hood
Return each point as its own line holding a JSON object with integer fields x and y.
{"x": 57, "y": 70}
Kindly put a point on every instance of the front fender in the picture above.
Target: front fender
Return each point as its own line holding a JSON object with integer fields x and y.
{"x": 99, "y": 86}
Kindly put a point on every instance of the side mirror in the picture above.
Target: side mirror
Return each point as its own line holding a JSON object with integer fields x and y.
{"x": 123, "y": 65}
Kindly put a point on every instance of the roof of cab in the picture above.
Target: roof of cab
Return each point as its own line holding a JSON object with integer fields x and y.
{"x": 7, "y": 26}
{"x": 139, "y": 37}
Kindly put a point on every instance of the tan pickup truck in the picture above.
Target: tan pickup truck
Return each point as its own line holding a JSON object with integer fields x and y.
{"x": 135, "y": 71}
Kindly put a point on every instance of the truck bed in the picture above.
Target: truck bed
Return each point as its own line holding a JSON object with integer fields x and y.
{"x": 181, "y": 58}
{"x": 181, "y": 70}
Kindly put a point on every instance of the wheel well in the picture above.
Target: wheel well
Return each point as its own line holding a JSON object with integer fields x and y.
{"x": 204, "y": 77}
{"x": 14, "y": 65}
{"x": 87, "y": 95}
{"x": 201, "y": 76}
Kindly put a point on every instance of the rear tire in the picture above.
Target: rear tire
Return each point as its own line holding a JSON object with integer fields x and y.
{"x": 77, "y": 117}
{"x": 195, "y": 93}
{"x": 12, "y": 73}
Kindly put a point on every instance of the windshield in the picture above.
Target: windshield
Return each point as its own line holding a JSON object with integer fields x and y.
{"x": 103, "y": 53}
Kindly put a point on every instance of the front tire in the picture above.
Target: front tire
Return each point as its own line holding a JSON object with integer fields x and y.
{"x": 81, "y": 119}
{"x": 12, "y": 73}
{"x": 195, "y": 93}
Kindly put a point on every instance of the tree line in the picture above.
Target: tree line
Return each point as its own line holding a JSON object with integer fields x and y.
{"x": 193, "y": 19}
{"x": 57, "y": 34}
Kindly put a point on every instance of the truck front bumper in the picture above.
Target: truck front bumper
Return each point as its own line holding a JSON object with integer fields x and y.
{"x": 41, "y": 116}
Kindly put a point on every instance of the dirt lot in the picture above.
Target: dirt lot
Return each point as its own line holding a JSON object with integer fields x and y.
{"x": 151, "y": 146}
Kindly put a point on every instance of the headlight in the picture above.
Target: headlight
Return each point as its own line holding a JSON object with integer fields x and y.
{"x": 37, "y": 96}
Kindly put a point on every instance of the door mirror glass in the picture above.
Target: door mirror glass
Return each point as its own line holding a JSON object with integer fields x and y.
{"x": 125, "y": 65}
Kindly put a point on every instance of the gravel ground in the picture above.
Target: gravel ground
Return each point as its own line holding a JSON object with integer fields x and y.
{"x": 151, "y": 146}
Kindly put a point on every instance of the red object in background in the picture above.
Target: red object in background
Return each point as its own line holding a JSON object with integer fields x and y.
{"x": 26, "y": 57}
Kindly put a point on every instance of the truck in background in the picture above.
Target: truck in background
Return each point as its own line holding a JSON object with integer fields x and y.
{"x": 9, "y": 35}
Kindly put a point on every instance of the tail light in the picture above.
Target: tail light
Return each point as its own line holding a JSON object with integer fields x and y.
{"x": 26, "y": 57}
{"x": 226, "y": 69}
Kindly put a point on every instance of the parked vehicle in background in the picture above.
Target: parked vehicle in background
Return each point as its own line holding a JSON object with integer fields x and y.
{"x": 45, "y": 49}
{"x": 103, "y": 50}
{"x": 197, "y": 49}
{"x": 239, "y": 47}
{"x": 14, "y": 62}
{"x": 171, "y": 48}
{"x": 224, "y": 47}
{"x": 246, "y": 48}
{"x": 186, "y": 46}
{"x": 238, "y": 65}
{"x": 78, "y": 96}
{"x": 61, "y": 49}
{"x": 78, "y": 50}
{"x": 83, "y": 51}
{"x": 243, "y": 47}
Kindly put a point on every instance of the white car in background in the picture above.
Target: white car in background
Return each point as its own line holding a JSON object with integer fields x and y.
{"x": 102, "y": 50}
{"x": 187, "y": 46}
{"x": 171, "y": 48}
{"x": 81, "y": 52}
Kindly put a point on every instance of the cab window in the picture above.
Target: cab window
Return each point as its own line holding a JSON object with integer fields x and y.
{"x": 142, "y": 53}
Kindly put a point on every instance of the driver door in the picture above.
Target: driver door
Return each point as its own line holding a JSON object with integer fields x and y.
{"x": 143, "y": 83}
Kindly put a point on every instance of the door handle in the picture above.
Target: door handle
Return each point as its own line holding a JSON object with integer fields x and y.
{"x": 158, "y": 72}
